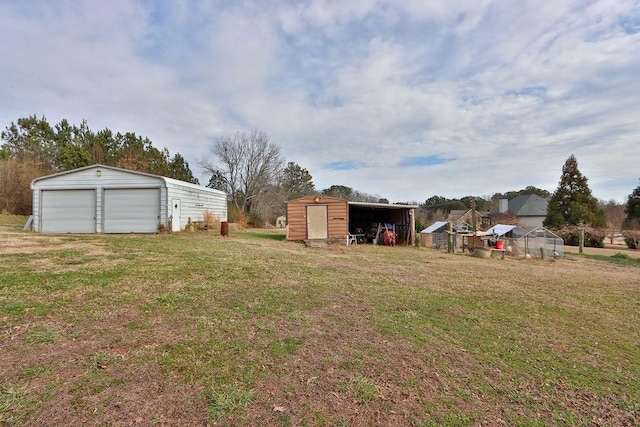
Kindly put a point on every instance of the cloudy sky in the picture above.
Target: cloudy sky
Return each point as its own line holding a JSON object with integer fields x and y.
{"x": 405, "y": 99}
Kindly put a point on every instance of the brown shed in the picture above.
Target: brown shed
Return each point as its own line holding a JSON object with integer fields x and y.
{"x": 327, "y": 218}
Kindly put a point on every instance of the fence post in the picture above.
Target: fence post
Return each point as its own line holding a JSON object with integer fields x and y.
{"x": 581, "y": 241}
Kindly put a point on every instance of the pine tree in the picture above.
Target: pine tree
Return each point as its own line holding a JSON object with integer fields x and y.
{"x": 632, "y": 209}
{"x": 572, "y": 206}
{"x": 632, "y": 221}
{"x": 297, "y": 181}
{"x": 572, "y": 202}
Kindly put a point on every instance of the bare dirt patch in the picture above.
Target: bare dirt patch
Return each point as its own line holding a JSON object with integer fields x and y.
{"x": 23, "y": 243}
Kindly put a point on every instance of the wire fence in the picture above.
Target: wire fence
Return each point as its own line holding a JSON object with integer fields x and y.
{"x": 539, "y": 243}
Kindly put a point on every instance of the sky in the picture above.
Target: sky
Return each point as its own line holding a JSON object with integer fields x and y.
{"x": 404, "y": 99}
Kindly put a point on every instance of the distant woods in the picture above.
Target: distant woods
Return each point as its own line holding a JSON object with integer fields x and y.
{"x": 32, "y": 147}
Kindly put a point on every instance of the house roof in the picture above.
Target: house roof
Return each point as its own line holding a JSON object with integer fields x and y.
{"x": 457, "y": 213}
{"x": 528, "y": 205}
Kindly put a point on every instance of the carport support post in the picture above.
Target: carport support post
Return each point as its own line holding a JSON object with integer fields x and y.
{"x": 450, "y": 238}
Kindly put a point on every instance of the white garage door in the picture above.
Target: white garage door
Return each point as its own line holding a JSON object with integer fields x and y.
{"x": 131, "y": 210}
{"x": 68, "y": 211}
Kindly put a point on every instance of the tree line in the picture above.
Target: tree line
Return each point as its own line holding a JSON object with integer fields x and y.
{"x": 247, "y": 166}
{"x": 32, "y": 147}
{"x": 251, "y": 170}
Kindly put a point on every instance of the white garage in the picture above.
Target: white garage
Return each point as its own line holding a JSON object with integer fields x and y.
{"x": 105, "y": 199}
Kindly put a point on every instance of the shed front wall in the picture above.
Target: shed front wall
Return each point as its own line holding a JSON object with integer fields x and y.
{"x": 337, "y": 217}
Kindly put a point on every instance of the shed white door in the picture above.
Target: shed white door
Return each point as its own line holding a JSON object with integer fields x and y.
{"x": 68, "y": 211}
{"x": 176, "y": 223}
{"x": 317, "y": 224}
{"x": 131, "y": 210}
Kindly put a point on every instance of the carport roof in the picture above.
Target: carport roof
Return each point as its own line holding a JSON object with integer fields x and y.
{"x": 382, "y": 205}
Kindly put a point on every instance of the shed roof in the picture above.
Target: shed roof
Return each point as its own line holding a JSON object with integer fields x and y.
{"x": 434, "y": 227}
{"x": 440, "y": 224}
{"x": 502, "y": 229}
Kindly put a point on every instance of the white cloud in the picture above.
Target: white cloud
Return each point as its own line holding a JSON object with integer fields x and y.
{"x": 508, "y": 90}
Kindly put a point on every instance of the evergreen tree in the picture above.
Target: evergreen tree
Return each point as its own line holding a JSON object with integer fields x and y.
{"x": 632, "y": 221}
{"x": 218, "y": 181}
{"x": 572, "y": 202}
{"x": 179, "y": 169}
{"x": 31, "y": 141}
{"x": 632, "y": 209}
{"x": 339, "y": 192}
{"x": 296, "y": 181}
{"x": 572, "y": 205}
{"x": 32, "y": 148}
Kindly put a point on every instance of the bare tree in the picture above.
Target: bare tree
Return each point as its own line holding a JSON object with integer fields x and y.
{"x": 249, "y": 164}
{"x": 615, "y": 217}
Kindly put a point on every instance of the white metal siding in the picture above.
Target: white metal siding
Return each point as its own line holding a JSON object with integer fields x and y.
{"x": 194, "y": 201}
{"x": 103, "y": 181}
{"x": 131, "y": 210}
{"x": 68, "y": 211}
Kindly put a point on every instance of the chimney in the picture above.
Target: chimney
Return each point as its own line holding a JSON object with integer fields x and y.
{"x": 503, "y": 206}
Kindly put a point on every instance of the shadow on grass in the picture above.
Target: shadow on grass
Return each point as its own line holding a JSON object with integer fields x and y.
{"x": 266, "y": 234}
{"x": 618, "y": 258}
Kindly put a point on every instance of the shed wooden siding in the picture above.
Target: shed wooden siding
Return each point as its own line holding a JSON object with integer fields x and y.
{"x": 337, "y": 217}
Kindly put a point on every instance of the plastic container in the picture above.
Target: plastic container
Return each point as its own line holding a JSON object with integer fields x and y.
{"x": 499, "y": 244}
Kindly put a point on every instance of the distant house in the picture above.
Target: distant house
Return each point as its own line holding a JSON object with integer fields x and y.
{"x": 463, "y": 218}
{"x": 530, "y": 209}
{"x": 281, "y": 221}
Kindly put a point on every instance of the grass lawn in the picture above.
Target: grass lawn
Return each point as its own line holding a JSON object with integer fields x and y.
{"x": 199, "y": 329}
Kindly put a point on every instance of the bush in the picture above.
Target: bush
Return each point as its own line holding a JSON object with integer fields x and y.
{"x": 593, "y": 237}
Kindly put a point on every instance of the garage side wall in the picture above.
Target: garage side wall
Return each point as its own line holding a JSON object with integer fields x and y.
{"x": 337, "y": 217}
{"x": 193, "y": 201}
